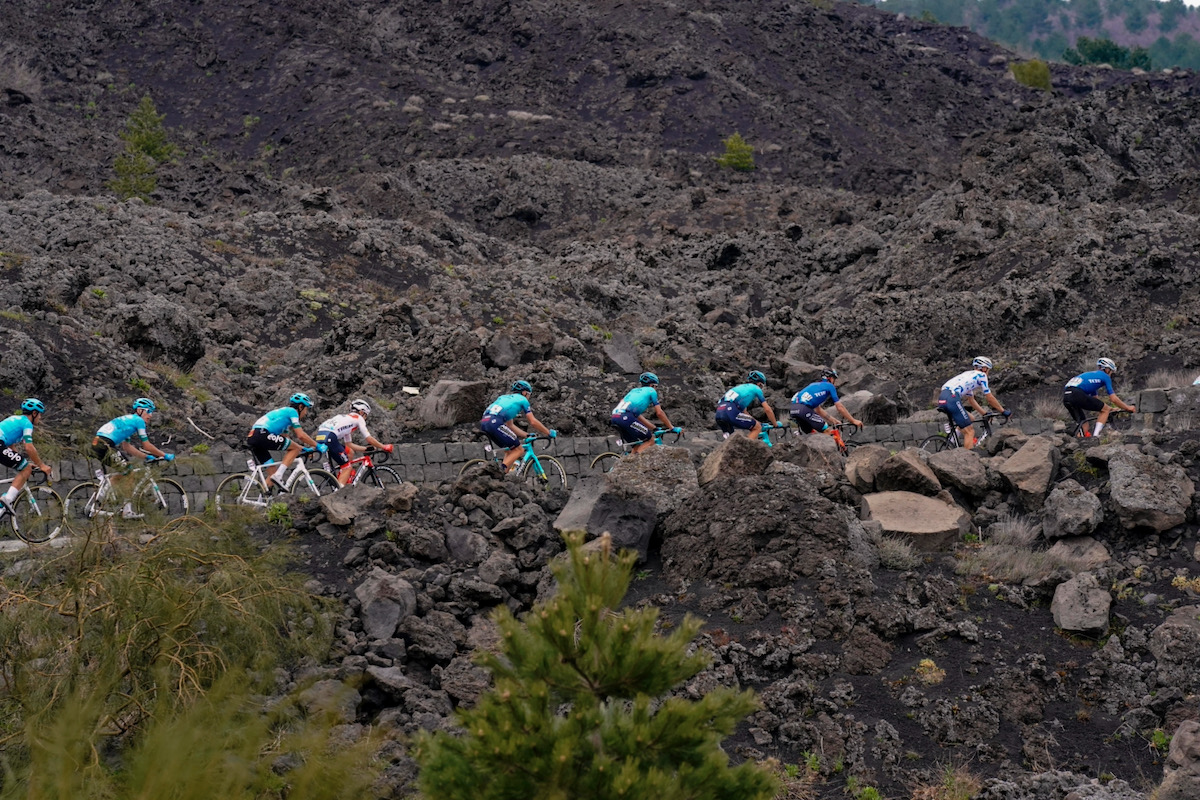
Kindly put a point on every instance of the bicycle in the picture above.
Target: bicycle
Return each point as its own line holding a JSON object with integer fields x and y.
{"x": 151, "y": 496}
{"x": 543, "y": 472}
{"x": 1080, "y": 431}
{"x": 40, "y": 509}
{"x": 607, "y": 461}
{"x": 371, "y": 469}
{"x": 952, "y": 439}
{"x": 251, "y": 489}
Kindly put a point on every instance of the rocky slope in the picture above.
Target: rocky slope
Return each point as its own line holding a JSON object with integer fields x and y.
{"x": 370, "y": 200}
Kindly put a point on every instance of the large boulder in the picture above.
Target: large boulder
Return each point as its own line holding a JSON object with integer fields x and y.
{"x": 513, "y": 345}
{"x": 930, "y": 523}
{"x": 1176, "y": 647}
{"x": 662, "y": 476}
{"x": 24, "y": 367}
{"x": 1081, "y": 605}
{"x": 160, "y": 329}
{"x": 1181, "y": 772}
{"x": 816, "y": 450}
{"x": 1082, "y": 551}
{"x": 1030, "y": 471}
{"x": 620, "y": 352}
{"x": 961, "y": 469}
{"x": 906, "y": 471}
{"x": 452, "y": 402}
{"x": 386, "y": 600}
{"x": 863, "y": 465}
{"x": 735, "y": 456}
{"x": 878, "y": 409}
{"x": 597, "y": 507}
{"x": 1148, "y": 494}
{"x": 1071, "y": 510}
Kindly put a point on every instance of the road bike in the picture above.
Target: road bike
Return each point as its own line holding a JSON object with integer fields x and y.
{"x": 844, "y": 446}
{"x": 151, "y": 497}
{"x": 38, "y": 510}
{"x": 951, "y": 438}
{"x": 251, "y": 488}
{"x": 1083, "y": 428}
{"x": 542, "y": 472}
{"x": 606, "y": 461}
{"x": 368, "y": 468}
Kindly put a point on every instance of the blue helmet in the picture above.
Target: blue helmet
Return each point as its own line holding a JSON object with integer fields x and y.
{"x": 300, "y": 399}
{"x": 648, "y": 379}
{"x": 522, "y": 386}
{"x": 33, "y": 404}
{"x": 144, "y": 404}
{"x": 756, "y": 377}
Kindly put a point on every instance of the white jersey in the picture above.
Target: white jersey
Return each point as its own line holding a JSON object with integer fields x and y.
{"x": 967, "y": 382}
{"x": 344, "y": 425}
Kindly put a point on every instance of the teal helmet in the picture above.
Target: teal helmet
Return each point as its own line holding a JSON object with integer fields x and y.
{"x": 144, "y": 404}
{"x": 756, "y": 377}
{"x": 522, "y": 386}
{"x": 300, "y": 399}
{"x": 648, "y": 379}
{"x": 33, "y": 404}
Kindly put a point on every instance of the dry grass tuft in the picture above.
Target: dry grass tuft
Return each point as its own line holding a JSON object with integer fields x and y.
{"x": 957, "y": 783}
{"x": 16, "y": 73}
{"x": 896, "y": 554}
{"x": 1170, "y": 378}
{"x": 1007, "y": 555}
{"x": 1049, "y": 406}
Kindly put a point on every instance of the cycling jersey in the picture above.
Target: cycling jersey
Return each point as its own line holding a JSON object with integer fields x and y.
{"x": 344, "y": 426}
{"x": 278, "y": 421}
{"x": 967, "y": 382}
{"x": 507, "y": 406}
{"x": 124, "y": 427}
{"x": 815, "y": 394}
{"x": 636, "y": 401}
{"x": 743, "y": 396}
{"x": 1091, "y": 382}
{"x": 16, "y": 428}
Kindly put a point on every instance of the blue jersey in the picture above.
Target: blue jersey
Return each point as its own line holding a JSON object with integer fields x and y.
{"x": 508, "y": 406}
{"x": 16, "y": 428}
{"x": 815, "y": 394}
{"x": 122, "y": 428}
{"x": 636, "y": 401}
{"x": 1092, "y": 382}
{"x": 278, "y": 421}
{"x": 744, "y": 396}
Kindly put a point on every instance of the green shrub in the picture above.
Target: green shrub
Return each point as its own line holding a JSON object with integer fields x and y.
{"x": 279, "y": 514}
{"x": 1035, "y": 74}
{"x": 1106, "y": 51}
{"x": 739, "y": 155}
{"x": 146, "y": 145}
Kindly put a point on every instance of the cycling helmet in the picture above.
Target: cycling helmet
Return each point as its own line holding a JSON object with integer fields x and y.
{"x": 300, "y": 399}
{"x": 648, "y": 379}
{"x": 144, "y": 404}
{"x": 33, "y": 404}
{"x": 982, "y": 362}
{"x": 361, "y": 406}
{"x": 756, "y": 377}
{"x": 1108, "y": 364}
{"x": 522, "y": 386}
{"x": 829, "y": 372}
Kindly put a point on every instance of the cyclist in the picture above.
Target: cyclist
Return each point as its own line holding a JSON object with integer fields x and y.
{"x": 961, "y": 388}
{"x": 628, "y": 417}
{"x": 497, "y": 422}
{"x": 113, "y": 444}
{"x": 1080, "y": 395}
{"x": 18, "y": 429}
{"x": 807, "y": 409}
{"x": 268, "y": 431}
{"x": 337, "y": 431}
{"x": 731, "y": 411}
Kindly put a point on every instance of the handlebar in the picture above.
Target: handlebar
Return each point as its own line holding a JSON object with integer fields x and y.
{"x": 991, "y": 415}
{"x": 377, "y": 456}
{"x": 533, "y": 438}
{"x": 659, "y": 433}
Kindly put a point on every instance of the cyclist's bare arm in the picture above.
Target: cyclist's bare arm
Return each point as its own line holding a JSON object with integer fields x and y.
{"x": 769, "y": 412}
{"x": 304, "y": 438}
{"x": 535, "y": 424}
{"x": 994, "y": 402}
{"x": 378, "y": 445}
{"x": 32, "y": 452}
{"x": 662, "y": 417}
{"x": 1118, "y": 402}
{"x": 825, "y": 415}
{"x": 973, "y": 403}
{"x": 846, "y": 415}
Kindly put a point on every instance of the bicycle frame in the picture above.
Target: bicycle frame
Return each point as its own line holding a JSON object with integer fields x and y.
{"x": 258, "y": 476}
{"x": 658, "y": 433}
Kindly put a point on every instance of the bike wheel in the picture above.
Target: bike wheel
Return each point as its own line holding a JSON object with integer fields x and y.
{"x": 385, "y": 476}
{"x": 606, "y": 461}
{"x": 81, "y": 504}
{"x": 474, "y": 462}
{"x": 318, "y": 484}
{"x": 240, "y": 489}
{"x": 937, "y": 443}
{"x": 162, "y": 498}
{"x": 40, "y": 512}
{"x": 543, "y": 473}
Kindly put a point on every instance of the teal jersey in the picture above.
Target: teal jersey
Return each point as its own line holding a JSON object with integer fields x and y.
{"x": 16, "y": 428}
{"x": 744, "y": 395}
{"x": 122, "y": 428}
{"x": 637, "y": 401}
{"x": 508, "y": 406}
{"x": 278, "y": 421}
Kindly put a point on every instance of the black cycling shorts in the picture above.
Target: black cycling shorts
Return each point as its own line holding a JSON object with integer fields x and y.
{"x": 337, "y": 451}
{"x": 12, "y": 459}
{"x": 261, "y": 442}
{"x": 109, "y": 455}
{"x": 1079, "y": 402}
{"x": 808, "y": 419}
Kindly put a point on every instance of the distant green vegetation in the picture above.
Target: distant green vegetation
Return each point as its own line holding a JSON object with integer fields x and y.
{"x": 146, "y": 145}
{"x": 738, "y": 155}
{"x": 1104, "y": 51}
{"x": 1053, "y": 29}
{"x": 1034, "y": 74}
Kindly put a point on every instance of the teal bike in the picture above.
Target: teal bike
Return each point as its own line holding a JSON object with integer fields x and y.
{"x": 541, "y": 472}
{"x": 606, "y": 461}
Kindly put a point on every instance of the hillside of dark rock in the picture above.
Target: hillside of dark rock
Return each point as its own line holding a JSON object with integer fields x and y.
{"x": 372, "y": 199}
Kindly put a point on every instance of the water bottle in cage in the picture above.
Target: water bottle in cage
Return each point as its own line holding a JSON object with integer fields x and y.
{"x": 250, "y": 464}
{"x": 99, "y": 474}
{"x": 946, "y": 428}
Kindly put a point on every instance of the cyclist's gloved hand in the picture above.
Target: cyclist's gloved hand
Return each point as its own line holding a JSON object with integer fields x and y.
{"x": 553, "y": 434}
{"x": 149, "y": 458}
{"x": 677, "y": 429}
{"x": 387, "y": 448}
{"x": 322, "y": 447}
{"x": 1007, "y": 412}
{"x": 168, "y": 456}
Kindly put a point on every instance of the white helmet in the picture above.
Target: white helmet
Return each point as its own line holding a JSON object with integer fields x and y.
{"x": 361, "y": 406}
{"x": 1108, "y": 364}
{"x": 982, "y": 362}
